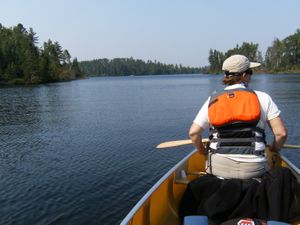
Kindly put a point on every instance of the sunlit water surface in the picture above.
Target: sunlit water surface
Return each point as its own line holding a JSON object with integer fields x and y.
{"x": 83, "y": 152}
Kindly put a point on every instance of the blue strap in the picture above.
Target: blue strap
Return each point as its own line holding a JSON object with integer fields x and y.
{"x": 195, "y": 220}
{"x": 273, "y": 222}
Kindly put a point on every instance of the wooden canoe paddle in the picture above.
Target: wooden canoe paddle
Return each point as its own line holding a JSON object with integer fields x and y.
{"x": 170, "y": 144}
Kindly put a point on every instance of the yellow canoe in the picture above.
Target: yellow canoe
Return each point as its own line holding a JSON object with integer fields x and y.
{"x": 159, "y": 206}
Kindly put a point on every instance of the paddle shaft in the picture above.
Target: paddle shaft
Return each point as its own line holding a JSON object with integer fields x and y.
{"x": 170, "y": 144}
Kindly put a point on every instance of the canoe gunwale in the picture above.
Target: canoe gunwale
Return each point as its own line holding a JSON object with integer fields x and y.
{"x": 292, "y": 167}
{"x": 143, "y": 200}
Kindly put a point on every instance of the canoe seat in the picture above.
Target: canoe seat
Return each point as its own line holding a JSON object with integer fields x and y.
{"x": 182, "y": 179}
{"x": 198, "y": 220}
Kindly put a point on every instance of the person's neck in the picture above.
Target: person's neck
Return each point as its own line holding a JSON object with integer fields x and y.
{"x": 244, "y": 83}
{"x": 239, "y": 83}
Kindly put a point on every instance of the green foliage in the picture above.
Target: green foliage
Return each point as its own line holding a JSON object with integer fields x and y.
{"x": 75, "y": 70}
{"x": 215, "y": 60}
{"x": 130, "y": 66}
{"x": 249, "y": 50}
{"x": 284, "y": 55}
{"x": 22, "y": 62}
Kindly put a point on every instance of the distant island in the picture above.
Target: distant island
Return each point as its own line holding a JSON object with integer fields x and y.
{"x": 130, "y": 66}
{"x": 23, "y": 62}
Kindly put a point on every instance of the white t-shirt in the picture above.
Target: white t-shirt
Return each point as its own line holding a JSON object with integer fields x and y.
{"x": 269, "y": 110}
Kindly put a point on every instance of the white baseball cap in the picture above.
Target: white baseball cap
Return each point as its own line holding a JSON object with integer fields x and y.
{"x": 238, "y": 64}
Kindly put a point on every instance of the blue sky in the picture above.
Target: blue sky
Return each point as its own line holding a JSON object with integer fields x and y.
{"x": 170, "y": 31}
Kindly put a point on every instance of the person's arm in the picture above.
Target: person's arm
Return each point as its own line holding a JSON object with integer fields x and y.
{"x": 196, "y": 137}
{"x": 280, "y": 133}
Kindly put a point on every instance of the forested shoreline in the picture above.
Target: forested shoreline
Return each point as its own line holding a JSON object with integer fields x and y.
{"x": 283, "y": 56}
{"x": 23, "y": 62}
{"x": 130, "y": 66}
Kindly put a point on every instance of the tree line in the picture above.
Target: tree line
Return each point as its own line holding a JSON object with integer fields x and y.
{"x": 284, "y": 55}
{"x": 281, "y": 56}
{"x": 23, "y": 62}
{"x": 131, "y": 66}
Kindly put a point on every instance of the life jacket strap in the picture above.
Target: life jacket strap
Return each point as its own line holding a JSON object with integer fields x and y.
{"x": 246, "y": 150}
{"x": 237, "y": 139}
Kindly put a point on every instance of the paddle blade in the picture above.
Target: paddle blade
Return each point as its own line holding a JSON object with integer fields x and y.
{"x": 170, "y": 144}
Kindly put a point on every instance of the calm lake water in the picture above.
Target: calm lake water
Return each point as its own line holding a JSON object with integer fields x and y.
{"x": 83, "y": 152}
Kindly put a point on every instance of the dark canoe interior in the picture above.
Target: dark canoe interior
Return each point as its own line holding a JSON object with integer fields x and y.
{"x": 159, "y": 206}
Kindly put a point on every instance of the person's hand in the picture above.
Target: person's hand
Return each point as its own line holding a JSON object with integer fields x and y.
{"x": 201, "y": 149}
{"x": 272, "y": 148}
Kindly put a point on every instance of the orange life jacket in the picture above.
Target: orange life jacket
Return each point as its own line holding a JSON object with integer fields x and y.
{"x": 234, "y": 115}
{"x": 234, "y": 106}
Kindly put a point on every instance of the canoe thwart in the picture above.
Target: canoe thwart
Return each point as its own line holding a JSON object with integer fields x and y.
{"x": 196, "y": 173}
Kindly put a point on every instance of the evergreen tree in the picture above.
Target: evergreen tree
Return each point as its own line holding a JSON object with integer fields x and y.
{"x": 217, "y": 58}
{"x": 284, "y": 55}
{"x": 75, "y": 70}
{"x": 22, "y": 62}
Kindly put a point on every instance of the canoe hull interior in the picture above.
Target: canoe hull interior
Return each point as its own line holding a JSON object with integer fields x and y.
{"x": 159, "y": 206}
